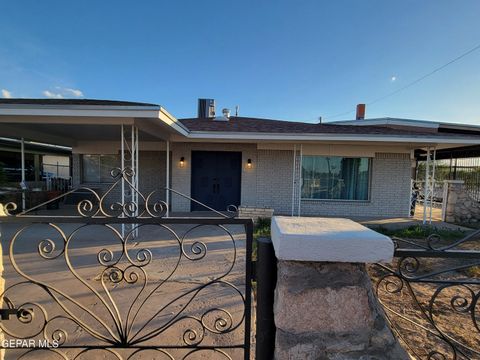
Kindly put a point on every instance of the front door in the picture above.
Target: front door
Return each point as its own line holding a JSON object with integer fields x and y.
{"x": 216, "y": 179}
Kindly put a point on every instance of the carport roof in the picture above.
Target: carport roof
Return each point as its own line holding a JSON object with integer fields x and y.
{"x": 69, "y": 121}
{"x": 23, "y": 101}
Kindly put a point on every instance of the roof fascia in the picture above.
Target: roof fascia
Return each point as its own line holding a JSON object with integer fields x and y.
{"x": 389, "y": 121}
{"x": 330, "y": 137}
{"x": 79, "y": 111}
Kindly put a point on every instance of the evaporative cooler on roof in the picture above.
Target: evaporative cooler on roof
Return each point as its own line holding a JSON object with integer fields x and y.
{"x": 206, "y": 108}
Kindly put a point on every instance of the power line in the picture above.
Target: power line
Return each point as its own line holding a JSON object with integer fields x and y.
{"x": 411, "y": 83}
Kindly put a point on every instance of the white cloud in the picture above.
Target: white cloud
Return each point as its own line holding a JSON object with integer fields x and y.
{"x": 61, "y": 93}
{"x": 6, "y": 94}
{"x": 393, "y": 78}
{"x": 74, "y": 92}
{"x": 52, "y": 95}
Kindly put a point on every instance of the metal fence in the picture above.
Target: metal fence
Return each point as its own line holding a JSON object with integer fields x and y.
{"x": 466, "y": 169}
{"x": 431, "y": 294}
{"x": 134, "y": 300}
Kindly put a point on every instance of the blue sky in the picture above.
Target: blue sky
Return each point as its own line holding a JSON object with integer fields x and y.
{"x": 275, "y": 59}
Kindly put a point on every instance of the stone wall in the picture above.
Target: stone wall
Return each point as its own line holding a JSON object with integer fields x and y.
{"x": 460, "y": 207}
{"x": 325, "y": 306}
{"x": 329, "y": 311}
{"x": 254, "y": 212}
{"x": 2, "y": 279}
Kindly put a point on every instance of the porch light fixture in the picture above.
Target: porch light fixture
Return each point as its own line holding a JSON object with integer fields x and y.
{"x": 182, "y": 161}
{"x": 249, "y": 163}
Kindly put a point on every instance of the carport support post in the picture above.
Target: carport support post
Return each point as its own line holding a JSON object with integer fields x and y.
{"x": 433, "y": 182}
{"x": 426, "y": 189}
{"x": 22, "y": 146}
{"x": 300, "y": 182}
{"x": 122, "y": 156}
{"x": 293, "y": 176}
{"x": 136, "y": 170}
{"x": 167, "y": 180}
{"x": 2, "y": 280}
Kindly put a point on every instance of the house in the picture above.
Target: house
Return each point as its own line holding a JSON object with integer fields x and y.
{"x": 333, "y": 169}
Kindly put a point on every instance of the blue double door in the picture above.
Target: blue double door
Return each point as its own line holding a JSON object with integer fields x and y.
{"x": 216, "y": 179}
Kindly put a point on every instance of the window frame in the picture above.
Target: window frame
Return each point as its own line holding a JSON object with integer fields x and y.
{"x": 82, "y": 173}
{"x": 369, "y": 185}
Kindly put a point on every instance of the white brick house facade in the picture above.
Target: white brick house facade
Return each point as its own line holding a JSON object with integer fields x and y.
{"x": 269, "y": 182}
{"x": 264, "y": 176}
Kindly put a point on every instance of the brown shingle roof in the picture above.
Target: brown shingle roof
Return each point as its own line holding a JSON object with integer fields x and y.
{"x": 244, "y": 124}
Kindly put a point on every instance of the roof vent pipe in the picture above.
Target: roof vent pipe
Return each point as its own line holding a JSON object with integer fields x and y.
{"x": 360, "y": 112}
{"x": 226, "y": 113}
{"x": 225, "y": 116}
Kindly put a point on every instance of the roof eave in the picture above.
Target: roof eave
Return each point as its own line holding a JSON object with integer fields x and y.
{"x": 258, "y": 136}
{"x": 78, "y": 110}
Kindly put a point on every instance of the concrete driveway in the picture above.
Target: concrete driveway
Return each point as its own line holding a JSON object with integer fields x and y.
{"x": 182, "y": 285}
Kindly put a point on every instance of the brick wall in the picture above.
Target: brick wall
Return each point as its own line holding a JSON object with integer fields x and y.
{"x": 389, "y": 192}
{"x": 268, "y": 183}
{"x": 151, "y": 177}
{"x": 274, "y": 181}
{"x": 76, "y": 170}
{"x": 152, "y": 174}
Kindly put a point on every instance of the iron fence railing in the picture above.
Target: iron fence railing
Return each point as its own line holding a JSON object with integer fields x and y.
{"x": 131, "y": 293}
{"x": 431, "y": 294}
{"x": 466, "y": 169}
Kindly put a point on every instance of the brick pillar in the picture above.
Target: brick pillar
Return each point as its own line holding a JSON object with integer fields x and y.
{"x": 325, "y": 307}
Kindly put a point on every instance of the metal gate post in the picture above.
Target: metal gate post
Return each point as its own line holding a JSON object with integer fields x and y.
{"x": 266, "y": 282}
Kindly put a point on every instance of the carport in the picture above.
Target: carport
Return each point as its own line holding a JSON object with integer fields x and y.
{"x": 68, "y": 122}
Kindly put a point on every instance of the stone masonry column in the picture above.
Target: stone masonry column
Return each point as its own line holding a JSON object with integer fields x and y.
{"x": 453, "y": 195}
{"x": 325, "y": 306}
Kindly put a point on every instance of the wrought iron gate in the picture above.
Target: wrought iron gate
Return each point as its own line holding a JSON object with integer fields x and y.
{"x": 77, "y": 287}
{"x": 431, "y": 296}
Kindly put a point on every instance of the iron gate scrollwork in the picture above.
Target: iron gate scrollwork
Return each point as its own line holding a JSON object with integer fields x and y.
{"x": 166, "y": 288}
{"x": 430, "y": 294}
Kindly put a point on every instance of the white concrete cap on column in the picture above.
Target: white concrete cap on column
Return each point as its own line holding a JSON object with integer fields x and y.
{"x": 328, "y": 239}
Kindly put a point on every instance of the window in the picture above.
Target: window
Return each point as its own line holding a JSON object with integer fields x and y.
{"x": 97, "y": 168}
{"x": 335, "y": 178}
